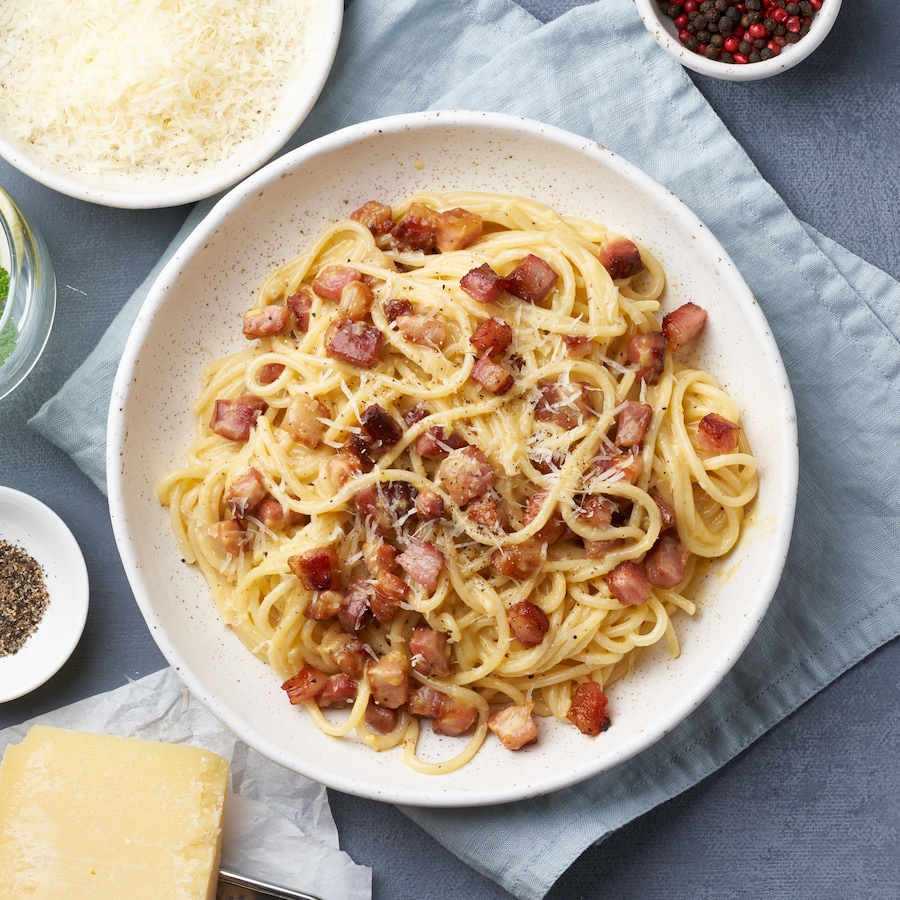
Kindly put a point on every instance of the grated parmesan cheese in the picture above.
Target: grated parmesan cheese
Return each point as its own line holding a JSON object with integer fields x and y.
{"x": 130, "y": 87}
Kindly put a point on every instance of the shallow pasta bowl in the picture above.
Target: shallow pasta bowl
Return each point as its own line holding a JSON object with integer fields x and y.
{"x": 192, "y": 315}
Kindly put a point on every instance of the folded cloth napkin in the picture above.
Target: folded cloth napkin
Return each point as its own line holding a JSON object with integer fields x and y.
{"x": 596, "y": 71}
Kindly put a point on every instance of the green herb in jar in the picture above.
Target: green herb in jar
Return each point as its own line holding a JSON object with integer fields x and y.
{"x": 10, "y": 333}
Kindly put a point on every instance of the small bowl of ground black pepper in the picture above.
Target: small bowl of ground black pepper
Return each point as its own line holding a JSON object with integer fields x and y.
{"x": 43, "y": 593}
{"x": 739, "y": 40}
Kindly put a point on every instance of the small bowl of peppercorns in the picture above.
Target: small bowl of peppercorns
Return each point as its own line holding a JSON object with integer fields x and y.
{"x": 739, "y": 40}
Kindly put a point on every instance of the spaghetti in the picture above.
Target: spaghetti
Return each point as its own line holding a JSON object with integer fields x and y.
{"x": 459, "y": 473}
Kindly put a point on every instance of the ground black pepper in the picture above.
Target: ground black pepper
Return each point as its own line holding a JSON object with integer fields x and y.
{"x": 23, "y": 597}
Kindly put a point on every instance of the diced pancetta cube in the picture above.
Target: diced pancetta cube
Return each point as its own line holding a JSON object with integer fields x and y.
{"x": 388, "y": 679}
{"x": 300, "y": 305}
{"x": 531, "y": 280}
{"x": 354, "y": 342}
{"x": 379, "y": 556}
{"x": 483, "y": 284}
{"x": 601, "y": 549}
{"x": 491, "y": 375}
{"x": 233, "y": 419}
{"x": 425, "y": 330}
{"x": 436, "y": 443}
{"x": 456, "y": 229}
{"x": 492, "y": 336}
{"x": 265, "y": 321}
{"x": 319, "y": 569}
{"x": 303, "y": 420}
{"x": 528, "y": 623}
{"x": 416, "y": 229}
{"x": 430, "y": 651}
{"x": 466, "y": 474}
{"x": 245, "y": 492}
{"x": 356, "y": 301}
{"x": 564, "y": 403}
{"x": 380, "y": 719}
{"x": 350, "y": 655}
{"x": 717, "y": 434}
{"x": 627, "y": 582}
{"x": 625, "y": 467}
{"x": 330, "y": 281}
{"x": 621, "y": 258}
{"x": 355, "y": 610}
{"x": 577, "y": 346}
{"x": 231, "y": 536}
{"x": 555, "y": 526}
{"x": 386, "y": 507}
{"x": 388, "y": 593}
{"x": 273, "y": 515}
{"x": 647, "y": 351}
{"x": 666, "y": 562}
{"x": 424, "y": 701}
{"x": 489, "y": 512}
{"x": 666, "y": 511}
{"x": 429, "y": 506}
{"x": 423, "y": 562}
{"x": 632, "y": 423}
{"x": 323, "y": 605}
{"x": 377, "y": 217}
{"x": 303, "y": 686}
{"x": 455, "y": 717}
{"x": 379, "y": 425}
{"x": 596, "y": 510}
{"x": 514, "y": 725}
{"x": 393, "y": 309}
{"x": 588, "y": 709}
{"x": 342, "y": 467}
{"x": 339, "y": 690}
{"x": 682, "y": 325}
{"x": 270, "y": 372}
{"x": 520, "y": 561}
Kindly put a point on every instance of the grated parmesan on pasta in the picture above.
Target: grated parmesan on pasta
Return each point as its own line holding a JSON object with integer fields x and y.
{"x": 146, "y": 86}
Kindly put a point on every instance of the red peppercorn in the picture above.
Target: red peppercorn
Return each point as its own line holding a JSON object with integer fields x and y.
{"x": 773, "y": 46}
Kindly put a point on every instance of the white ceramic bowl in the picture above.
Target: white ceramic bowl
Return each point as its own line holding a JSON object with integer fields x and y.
{"x": 265, "y": 221}
{"x": 663, "y": 29}
{"x": 156, "y": 190}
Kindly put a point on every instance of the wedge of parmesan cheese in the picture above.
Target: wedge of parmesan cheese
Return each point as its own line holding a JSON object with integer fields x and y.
{"x": 86, "y": 815}
{"x": 146, "y": 86}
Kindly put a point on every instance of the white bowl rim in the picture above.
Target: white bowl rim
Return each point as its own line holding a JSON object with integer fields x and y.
{"x": 663, "y": 31}
{"x": 191, "y": 188}
{"x": 116, "y": 438}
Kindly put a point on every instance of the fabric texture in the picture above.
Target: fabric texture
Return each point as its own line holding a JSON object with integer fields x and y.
{"x": 833, "y": 315}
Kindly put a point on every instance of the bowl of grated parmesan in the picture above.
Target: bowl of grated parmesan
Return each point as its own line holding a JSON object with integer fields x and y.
{"x": 153, "y": 103}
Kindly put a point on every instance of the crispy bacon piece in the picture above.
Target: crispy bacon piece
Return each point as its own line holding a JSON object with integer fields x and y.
{"x": 424, "y": 330}
{"x": 492, "y": 336}
{"x": 350, "y": 656}
{"x": 388, "y": 679}
{"x": 245, "y": 492}
{"x": 300, "y": 305}
{"x": 416, "y": 229}
{"x": 389, "y": 592}
{"x": 380, "y": 719}
{"x": 379, "y": 425}
{"x": 430, "y": 651}
{"x": 435, "y": 443}
{"x": 647, "y": 351}
{"x": 488, "y": 512}
{"x": 342, "y": 467}
{"x": 682, "y": 325}
{"x": 519, "y": 561}
{"x": 231, "y": 536}
{"x": 588, "y": 709}
{"x": 621, "y": 258}
{"x": 330, "y": 280}
{"x": 429, "y": 506}
{"x": 491, "y": 375}
{"x": 531, "y": 280}
{"x": 627, "y": 582}
{"x": 483, "y": 284}
{"x": 377, "y": 217}
{"x": 632, "y": 423}
{"x": 355, "y": 609}
{"x": 356, "y": 301}
{"x": 354, "y": 342}
{"x": 308, "y": 682}
{"x": 528, "y": 622}
{"x": 387, "y": 506}
{"x": 323, "y": 605}
{"x": 423, "y": 562}
{"x": 555, "y": 526}
{"x": 717, "y": 434}
{"x": 467, "y": 474}
{"x": 393, "y": 309}
{"x": 233, "y": 419}
{"x": 564, "y": 403}
{"x": 339, "y": 690}
{"x": 514, "y": 725}
{"x": 456, "y": 229}
{"x": 303, "y": 420}
{"x": 319, "y": 569}
{"x": 265, "y": 321}
{"x": 666, "y": 562}
{"x": 455, "y": 717}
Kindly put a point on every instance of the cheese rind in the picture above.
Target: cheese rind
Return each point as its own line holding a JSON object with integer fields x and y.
{"x": 96, "y": 816}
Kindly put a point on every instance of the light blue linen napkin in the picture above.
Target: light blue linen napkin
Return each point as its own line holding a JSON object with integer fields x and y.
{"x": 597, "y": 72}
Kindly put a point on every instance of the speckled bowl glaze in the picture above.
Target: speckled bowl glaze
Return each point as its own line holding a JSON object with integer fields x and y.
{"x": 663, "y": 29}
{"x": 141, "y": 191}
{"x": 193, "y": 312}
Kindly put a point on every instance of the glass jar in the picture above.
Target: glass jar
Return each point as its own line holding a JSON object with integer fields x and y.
{"x": 26, "y": 316}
